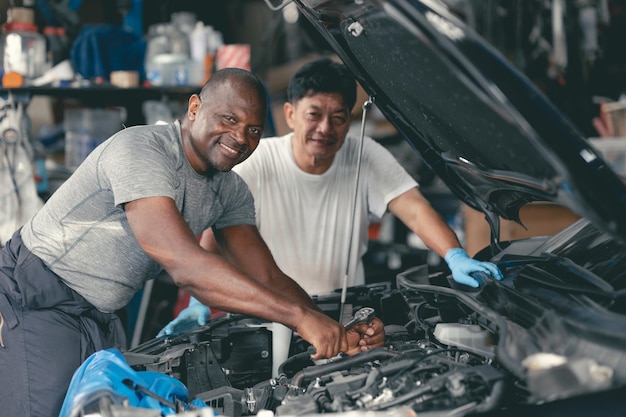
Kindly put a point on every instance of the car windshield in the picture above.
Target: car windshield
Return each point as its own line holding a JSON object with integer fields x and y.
{"x": 594, "y": 251}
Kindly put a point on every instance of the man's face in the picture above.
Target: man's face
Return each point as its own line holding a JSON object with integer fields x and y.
{"x": 320, "y": 123}
{"x": 225, "y": 128}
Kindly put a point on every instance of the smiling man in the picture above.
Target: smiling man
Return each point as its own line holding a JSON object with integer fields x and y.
{"x": 303, "y": 187}
{"x": 133, "y": 208}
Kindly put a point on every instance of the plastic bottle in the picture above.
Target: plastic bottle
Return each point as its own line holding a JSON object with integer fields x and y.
{"x": 214, "y": 41}
{"x": 57, "y": 44}
{"x": 22, "y": 49}
{"x": 198, "y": 52}
{"x": 198, "y": 42}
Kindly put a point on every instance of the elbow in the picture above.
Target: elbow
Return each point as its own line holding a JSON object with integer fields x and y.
{"x": 197, "y": 269}
{"x": 179, "y": 278}
{"x": 181, "y": 273}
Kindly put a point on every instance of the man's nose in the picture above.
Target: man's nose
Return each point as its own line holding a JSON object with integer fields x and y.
{"x": 239, "y": 135}
{"x": 325, "y": 125}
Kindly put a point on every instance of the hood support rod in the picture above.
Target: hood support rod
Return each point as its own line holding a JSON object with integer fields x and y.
{"x": 344, "y": 288}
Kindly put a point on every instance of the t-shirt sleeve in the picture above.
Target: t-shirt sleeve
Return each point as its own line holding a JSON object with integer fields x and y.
{"x": 387, "y": 179}
{"x": 135, "y": 169}
{"x": 238, "y": 203}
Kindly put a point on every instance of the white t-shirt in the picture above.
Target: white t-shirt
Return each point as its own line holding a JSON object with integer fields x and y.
{"x": 306, "y": 219}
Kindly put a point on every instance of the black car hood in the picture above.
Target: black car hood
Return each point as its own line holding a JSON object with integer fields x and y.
{"x": 480, "y": 124}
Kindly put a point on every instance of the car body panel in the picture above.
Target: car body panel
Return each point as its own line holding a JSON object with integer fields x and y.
{"x": 482, "y": 126}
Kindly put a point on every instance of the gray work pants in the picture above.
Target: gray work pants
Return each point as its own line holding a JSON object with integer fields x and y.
{"x": 48, "y": 331}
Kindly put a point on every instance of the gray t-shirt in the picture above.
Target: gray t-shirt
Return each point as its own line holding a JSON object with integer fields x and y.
{"x": 82, "y": 233}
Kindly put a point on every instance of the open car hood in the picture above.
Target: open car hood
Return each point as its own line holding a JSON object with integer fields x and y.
{"x": 482, "y": 126}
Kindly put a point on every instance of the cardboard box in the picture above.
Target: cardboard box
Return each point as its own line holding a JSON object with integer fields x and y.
{"x": 617, "y": 113}
{"x": 539, "y": 219}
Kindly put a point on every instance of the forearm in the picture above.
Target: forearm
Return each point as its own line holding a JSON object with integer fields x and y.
{"x": 293, "y": 291}
{"x": 436, "y": 234}
{"x": 255, "y": 259}
{"x": 229, "y": 289}
{"x": 164, "y": 236}
{"x": 414, "y": 210}
{"x": 216, "y": 283}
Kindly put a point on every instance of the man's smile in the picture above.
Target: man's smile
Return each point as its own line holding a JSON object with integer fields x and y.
{"x": 231, "y": 151}
{"x": 323, "y": 142}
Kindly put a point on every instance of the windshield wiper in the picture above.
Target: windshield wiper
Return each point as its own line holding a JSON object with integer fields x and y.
{"x": 542, "y": 276}
{"x": 547, "y": 279}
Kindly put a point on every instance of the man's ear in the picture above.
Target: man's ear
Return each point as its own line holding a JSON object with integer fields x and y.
{"x": 289, "y": 110}
{"x": 194, "y": 105}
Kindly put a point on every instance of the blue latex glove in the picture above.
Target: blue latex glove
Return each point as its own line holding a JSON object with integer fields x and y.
{"x": 461, "y": 266}
{"x": 196, "y": 312}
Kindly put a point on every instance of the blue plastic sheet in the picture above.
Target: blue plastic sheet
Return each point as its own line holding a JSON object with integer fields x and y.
{"x": 106, "y": 374}
{"x": 102, "y": 48}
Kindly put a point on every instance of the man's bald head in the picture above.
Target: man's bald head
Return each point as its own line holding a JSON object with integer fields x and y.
{"x": 237, "y": 76}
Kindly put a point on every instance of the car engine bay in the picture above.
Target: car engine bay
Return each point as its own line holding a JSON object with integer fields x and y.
{"x": 446, "y": 354}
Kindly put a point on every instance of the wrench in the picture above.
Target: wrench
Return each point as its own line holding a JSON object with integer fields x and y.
{"x": 363, "y": 315}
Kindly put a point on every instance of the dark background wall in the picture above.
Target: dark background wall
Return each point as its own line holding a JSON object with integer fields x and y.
{"x": 520, "y": 29}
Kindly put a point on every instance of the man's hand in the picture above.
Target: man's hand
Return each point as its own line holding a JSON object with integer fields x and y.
{"x": 327, "y": 336}
{"x": 196, "y": 312}
{"x": 366, "y": 336}
{"x": 461, "y": 266}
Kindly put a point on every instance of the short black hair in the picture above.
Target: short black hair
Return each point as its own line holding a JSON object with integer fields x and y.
{"x": 241, "y": 75}
{"x": 322, "y": 76}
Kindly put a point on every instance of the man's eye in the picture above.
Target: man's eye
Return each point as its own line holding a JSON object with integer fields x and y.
{"x": 339, "y": 120}
{"x": 256, "y": 132}
{"x": 229, "y": 119}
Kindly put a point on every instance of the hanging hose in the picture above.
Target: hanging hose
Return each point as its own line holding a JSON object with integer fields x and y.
{"x": 18, "y": 192}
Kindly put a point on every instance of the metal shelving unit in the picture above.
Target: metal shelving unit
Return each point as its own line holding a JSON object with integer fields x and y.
{"x": 106, "y": 95}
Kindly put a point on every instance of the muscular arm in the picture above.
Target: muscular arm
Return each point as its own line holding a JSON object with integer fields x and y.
{"x": 244, "y": 247}
{"x": 163, "y": 234}
{"x": 253, "y": 256}
{"x": 414, "y": 210}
